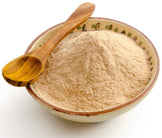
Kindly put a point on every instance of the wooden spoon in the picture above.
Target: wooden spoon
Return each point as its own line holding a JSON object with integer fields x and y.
{"x": 27, "y": 68}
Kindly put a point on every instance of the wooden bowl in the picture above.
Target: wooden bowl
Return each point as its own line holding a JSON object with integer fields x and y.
{"x": 93, "y": 24}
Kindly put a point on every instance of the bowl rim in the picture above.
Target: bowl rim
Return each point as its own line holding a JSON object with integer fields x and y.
{"x": 31, "y": 92}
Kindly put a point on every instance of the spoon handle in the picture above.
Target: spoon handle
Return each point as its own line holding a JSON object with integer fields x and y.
{"x": 81, "y": 14}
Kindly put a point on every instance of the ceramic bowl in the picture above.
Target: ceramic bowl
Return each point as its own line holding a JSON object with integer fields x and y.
{"x": 93, "y": 24}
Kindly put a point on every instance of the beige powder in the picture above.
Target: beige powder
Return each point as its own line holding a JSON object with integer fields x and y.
{"x": 94, "y": 70}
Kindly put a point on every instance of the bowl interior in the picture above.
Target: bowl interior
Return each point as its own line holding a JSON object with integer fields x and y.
{"x": 94, "y": 24}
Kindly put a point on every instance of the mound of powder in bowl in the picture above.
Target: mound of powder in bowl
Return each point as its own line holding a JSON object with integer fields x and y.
{"x": 92, "y": 71}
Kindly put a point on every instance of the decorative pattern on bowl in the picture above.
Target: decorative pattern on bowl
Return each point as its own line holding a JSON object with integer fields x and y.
{"x": 94, "y": 24}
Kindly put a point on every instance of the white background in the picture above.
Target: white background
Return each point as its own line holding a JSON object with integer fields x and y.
{"x": 22, "y": 117}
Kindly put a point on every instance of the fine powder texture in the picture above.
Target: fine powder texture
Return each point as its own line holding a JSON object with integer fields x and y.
{"x": 92, "y": 71}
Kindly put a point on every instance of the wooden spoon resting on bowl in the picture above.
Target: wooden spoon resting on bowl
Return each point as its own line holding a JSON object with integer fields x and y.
{"x": 27, "y": 68}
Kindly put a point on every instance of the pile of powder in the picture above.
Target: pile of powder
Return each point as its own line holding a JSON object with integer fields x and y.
{"x": 93, "y": 70}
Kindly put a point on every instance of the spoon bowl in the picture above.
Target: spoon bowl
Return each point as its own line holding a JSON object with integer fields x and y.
{"x": 23, "y": 70}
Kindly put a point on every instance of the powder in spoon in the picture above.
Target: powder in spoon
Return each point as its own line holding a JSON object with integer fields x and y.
{"x": 93, "y": 70}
